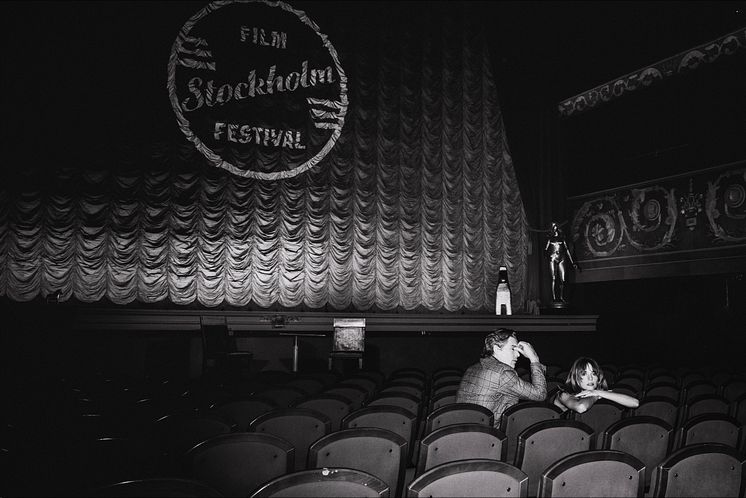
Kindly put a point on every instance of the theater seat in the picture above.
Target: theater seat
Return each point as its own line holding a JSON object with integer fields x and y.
{"x": 237, "y": 464}
{"x": 544, "y": 443}
{"x": 667, "y": 389}
{"x": 709, "y": 428}
{"x": 596, "y": 473}
{"x": 660, "y": 407}
{"x": 393, "y": 418}
{"x": 733, "y": 389}
{"x": 168, "y": 487}
{"x": 397, "y": 398}
{"x": 324, "y": 483}
{"x": 466, "y": 478}
{"x": 357, "y": 395}
{"x": 240, "y": 413}
{"x": 648, "y": 439}
{"x": 518, "y": 417}
{"x": 738, "y": 409}
{"x": 698, "y": 388}
{"x": 458, "y": 413}
{"x": 332, "y": 405}
{"x": 703, "y": 404}
{"x": 367, "y": 383}
{"x": 283, "y": 396}
{"x": 443, "y": 399}
{"x": 299, "y": 426}
{"x": 408, "y": 387}
{"x": 377, "y": 451}
{"x": 703, "y": 470}
{"x": 460, "y": 442}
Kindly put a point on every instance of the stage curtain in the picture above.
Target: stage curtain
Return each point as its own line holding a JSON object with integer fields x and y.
{"x": 415, "y": 208}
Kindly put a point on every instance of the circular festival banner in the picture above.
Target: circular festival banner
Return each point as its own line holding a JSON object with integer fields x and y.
{"x": 257, "y": 88}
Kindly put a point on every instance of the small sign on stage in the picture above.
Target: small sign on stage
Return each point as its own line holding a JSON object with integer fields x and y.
{"x": 349, "y": 334}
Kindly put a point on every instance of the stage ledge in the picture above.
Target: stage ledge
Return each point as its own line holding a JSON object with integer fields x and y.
{"x": 265, "y": 322}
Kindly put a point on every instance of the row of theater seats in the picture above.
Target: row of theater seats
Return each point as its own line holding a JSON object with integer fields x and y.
{"x": 402, "y": 435}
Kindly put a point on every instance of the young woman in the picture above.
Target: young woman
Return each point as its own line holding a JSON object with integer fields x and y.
{"x": 585, "y": 385}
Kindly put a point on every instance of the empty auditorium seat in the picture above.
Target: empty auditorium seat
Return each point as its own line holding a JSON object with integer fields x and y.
{"x": 299, "y": 426}
{"x": 168, "y": 487}
{"x": 705, "y": 403}
{"x": 460, "y": 442}
{"x": 445, "y": 377}
{"x": 709, "y": 428}
{"x": 697, "y": 388}
{"x": 105, "y": 461}
{"x": 406, "y": 372}
{"x": 370, "y": 385}
{"x": 543, "y": 443}
{"x": 596, "y": 473}
{"x": 660, "y": 407}
{"x": 308, "y": 384}
{"x": 667, "y": 389}
{"x": 518, "y": 417}
{"x": 393, "y": 418}
{"x": 441, "y": 372}
{"x": 458, "y": 413}
{"x": 379, "y": 452}
{"x": 408, "y": 387}
{"x": 701, "y": 470}
{"x": 648, "y": 439}
{"x": 240, "y": 413}
{"x": 691, "y": 376}
{"x": 738, "y": 409}
{"x": 733, "y": 389}
{"x": 357, "y": 395}
{"x": 442, "y": 399}
{"x": 465, "y": 478}
{"x": 375, "y": 375}
{"x": 444, "y": 387}
{"x": 283, "y": 396}
{"x": 398, "y": 398}
{"x": 334, "y": 406}
{"x": 661, "y": 377}
{"x": 634, "y": 381}
{"x": 626, "y": 389}
{"x": 324, "y": 483}
{"x": 237, "y": 464}
{"x": 181, "y": 433}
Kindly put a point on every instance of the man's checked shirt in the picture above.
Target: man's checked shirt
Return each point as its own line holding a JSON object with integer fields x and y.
{"x": 497, "y": 386}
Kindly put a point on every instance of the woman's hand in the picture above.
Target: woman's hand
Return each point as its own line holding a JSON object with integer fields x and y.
{"x": 588, "y": 394}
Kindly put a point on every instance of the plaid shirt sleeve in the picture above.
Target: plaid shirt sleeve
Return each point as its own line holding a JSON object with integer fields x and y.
{"x": 536, "y": 390}
{"x": 496, "y": 386}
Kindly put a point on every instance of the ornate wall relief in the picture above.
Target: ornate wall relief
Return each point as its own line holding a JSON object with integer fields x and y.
{"x": 688, "y": 223}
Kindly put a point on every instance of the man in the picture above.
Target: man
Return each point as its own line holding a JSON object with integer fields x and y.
{"x": 493, "y": 382}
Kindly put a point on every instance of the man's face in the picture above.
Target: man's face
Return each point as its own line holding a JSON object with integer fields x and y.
{"x": 509, "y": 353}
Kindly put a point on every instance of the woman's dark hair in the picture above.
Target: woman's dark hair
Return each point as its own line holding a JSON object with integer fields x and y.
{"x": 496, "y": 338}
{"x": 572, "y": 383}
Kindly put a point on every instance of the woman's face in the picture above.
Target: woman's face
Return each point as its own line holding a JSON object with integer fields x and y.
{"x": 588, "y": 379}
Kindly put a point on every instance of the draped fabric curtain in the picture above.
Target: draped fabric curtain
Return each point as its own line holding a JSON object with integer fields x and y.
{"x": 415, "y": 208}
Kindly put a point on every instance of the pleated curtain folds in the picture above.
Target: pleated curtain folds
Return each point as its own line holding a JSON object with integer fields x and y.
{"x": 415, "y": 208}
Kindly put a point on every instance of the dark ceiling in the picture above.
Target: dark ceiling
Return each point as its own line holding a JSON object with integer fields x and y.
{"x": 575, "y": 46}
{"x": 63, "y": 60}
